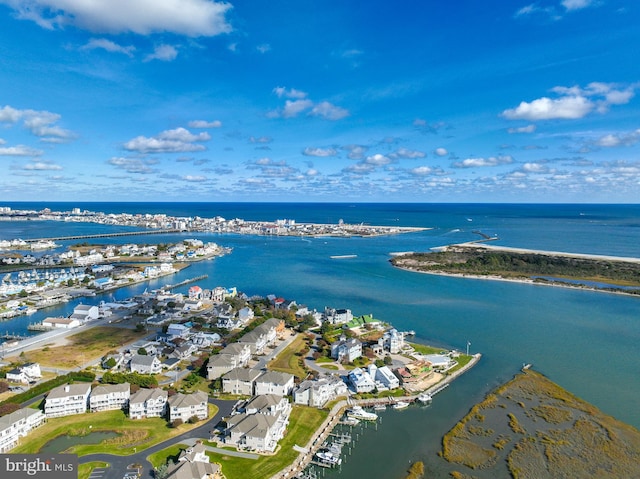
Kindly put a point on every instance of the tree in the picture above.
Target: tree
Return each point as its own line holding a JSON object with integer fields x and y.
{"x": 111, "y": 362}
{"x": 387, "y": 360}
{"x": 4, "y": 387}
{"x": 142, "y": 352}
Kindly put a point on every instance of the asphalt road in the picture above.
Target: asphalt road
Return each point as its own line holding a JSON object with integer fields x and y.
{"x": 119, "y": 465}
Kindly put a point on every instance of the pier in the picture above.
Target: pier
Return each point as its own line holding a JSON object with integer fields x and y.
{"x": 7, "y": 336}
{"x": 186, "y": 281}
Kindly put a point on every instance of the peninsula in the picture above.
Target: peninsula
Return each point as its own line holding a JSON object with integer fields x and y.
{"x": 475, "y": 260}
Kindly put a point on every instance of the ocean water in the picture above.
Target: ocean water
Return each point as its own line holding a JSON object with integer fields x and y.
{"x": 585, "y": 341}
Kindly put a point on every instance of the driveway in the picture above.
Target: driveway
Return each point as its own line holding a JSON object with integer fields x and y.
{"x": 119, "y": 465}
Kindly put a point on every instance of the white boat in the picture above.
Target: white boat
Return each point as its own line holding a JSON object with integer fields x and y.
{"x": 351, "y": 421}
{"x": 379, "y": 407}
{"x": 425, "y": 397}
{"x": 401, "y": 405}
{"x": 344, "y": 256}
{"x": 359, "y": 413}
{"x": 328, "y": 457}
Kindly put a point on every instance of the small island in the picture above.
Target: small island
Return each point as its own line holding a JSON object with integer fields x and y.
{"x": 601, "y": 273}
{"x": 532, "y": 428}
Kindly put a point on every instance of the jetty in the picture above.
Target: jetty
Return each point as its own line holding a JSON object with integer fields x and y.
{"x": 186, "y": 281}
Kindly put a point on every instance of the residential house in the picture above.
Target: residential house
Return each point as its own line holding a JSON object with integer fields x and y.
{"x": 235, "y": 355}
{"x": 261, "y": 425}
{"x": 176, "y": 330}
{"x": 144, "y": 364}
{"x": 240, "y": 381}
{"x": 109, "y": 397}
{"x": 274, "y": 382}
{"x": 346, "y": 350}
{"x": 18, "y": 424}
{"x": 392, "y": 341}
{"x": 25, "y": 374}
{"x": 245, "y": 315}
{"x": 361, "y": 381}
{"x": 337, "y": 316}
{"x": 195, "y": 292}
{"x": 383, "y": 377}
{"x": 185, "y": 406}
{"x": 148, "y": 403}
{"x": 317, "y": 393}
{"x": 184, "y": 351}
{"x": 67, "y": 400}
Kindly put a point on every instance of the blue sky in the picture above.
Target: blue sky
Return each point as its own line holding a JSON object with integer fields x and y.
{"x": 198, "y": 100}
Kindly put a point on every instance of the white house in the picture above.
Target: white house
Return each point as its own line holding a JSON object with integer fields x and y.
{"x": 317, "y": 393}
{"x": 177, "y": 330}
{"x": 337, "y": 316}
{"x": 383, "y": 377}
{"x": 392, "y": 341}
{"x": 109, "y": 397}
{"x": 235, "y": 355}
{"x": 240, "y": 381}
{"x": 193, "y": 463}
{"x": 67, "y": 400}
{"x": 346, "y": 350}
{"x": 18, "y": 424}
{"x": 144, "y": 364}
{"x": 25, "y": 373}
{"x": 361, "y": 381}
{"x": 274, "y": 382}
{"x": 148, "y": 403}
{"x": 186, "y": 406}
{"x": 261, "y": 426}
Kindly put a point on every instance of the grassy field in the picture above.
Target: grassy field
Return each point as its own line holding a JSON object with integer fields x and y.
{"x": 303, "y": 423}
{"x": 133, "y": 435}
{"x": 169, "y": 454}
{"x": 84, "y": 470}
{"x": 85, "y": 346}
{"x": 288, "y": 361}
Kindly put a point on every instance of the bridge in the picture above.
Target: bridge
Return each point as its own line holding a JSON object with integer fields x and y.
{"x": 104, "y": 235}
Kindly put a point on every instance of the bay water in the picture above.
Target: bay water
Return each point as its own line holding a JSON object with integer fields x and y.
{"x": 585, "y": 341}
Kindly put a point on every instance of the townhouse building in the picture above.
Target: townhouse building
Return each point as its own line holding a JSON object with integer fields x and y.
{"x": 67, "y": 400}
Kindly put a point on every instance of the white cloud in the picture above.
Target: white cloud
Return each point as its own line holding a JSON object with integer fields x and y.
{"x": 263, "y": 140}
{"x": 297, "y": 103}
{"x": 205, "y": 124}
{"x": 293, "y": 108}
{"x": 132, "y": 165}
{"x": 108, "y": 45}
{"x": 42, "y": 166}
{"x": 165, "y": 53}
{"x": 40, "y": 123}
{"x": 194, "y": 178}
{"x": 329, "y": 111}
{"x": 320, "y": 152}
{"x": 523, "y": 129}
{"x": 19, "y": 150}
{"x": 264, "y": 48}
{"x": 624, "y": 139}
{"x": 169, "y": 141}
{"x": 573, "y": 103}
{"x": 282, "y": 92}
{"x": 192, "y": 18}
{"x": 421, "y": 171}
{"x": 356, "y": 152}
{"x": 535, "y": 168}
{"x": 377, "y": 160}
{"x": 406, "y": 153}
{"x": 441, "y": 151}
{"x": 482, "y": 162}
{"x": 576, "y": 4}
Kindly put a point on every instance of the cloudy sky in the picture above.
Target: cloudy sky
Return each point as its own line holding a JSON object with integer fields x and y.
{"x": 416, "y": 100}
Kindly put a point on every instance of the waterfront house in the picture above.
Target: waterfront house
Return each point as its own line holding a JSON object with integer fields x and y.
{"x": 392, "y": 341}
{"x": 67, "y": 400}
{"x": 185, "y": 406}
{"x": 383, "y": 377}
{"x": 337, "y": 316}
{"x": 144, "y": 364}
{"x": 274, "y": 382}
{"x": 320, "y": 391}
{"x": 240, "y": 381}
{"x": 346, "y": 350}
{"x": 235, "y": 355}
{"x": 261, "y": 425}
{"x": 439, "y": 362}
{"x": 361, "y": 381}
{"x": 18, "y": 424}
{"x": 148, "y": 403}
{"x": 108, "y": 397}
{"x": 25, "y": 374}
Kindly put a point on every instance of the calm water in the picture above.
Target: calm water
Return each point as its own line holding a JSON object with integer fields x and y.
{"x": 585, "y": 341}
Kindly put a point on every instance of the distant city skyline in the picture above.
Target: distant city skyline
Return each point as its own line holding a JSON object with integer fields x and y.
{"x": 199, "y": 100}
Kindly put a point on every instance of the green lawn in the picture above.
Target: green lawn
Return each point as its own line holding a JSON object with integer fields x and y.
{"x": 84, "y": 470}
{"x": 288, "y": 361}
{"x": 133, "y": 435}
{"x": 171, "y": 453}
{"x": 424, "y": 349}
{"x": 303, "y": 423}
